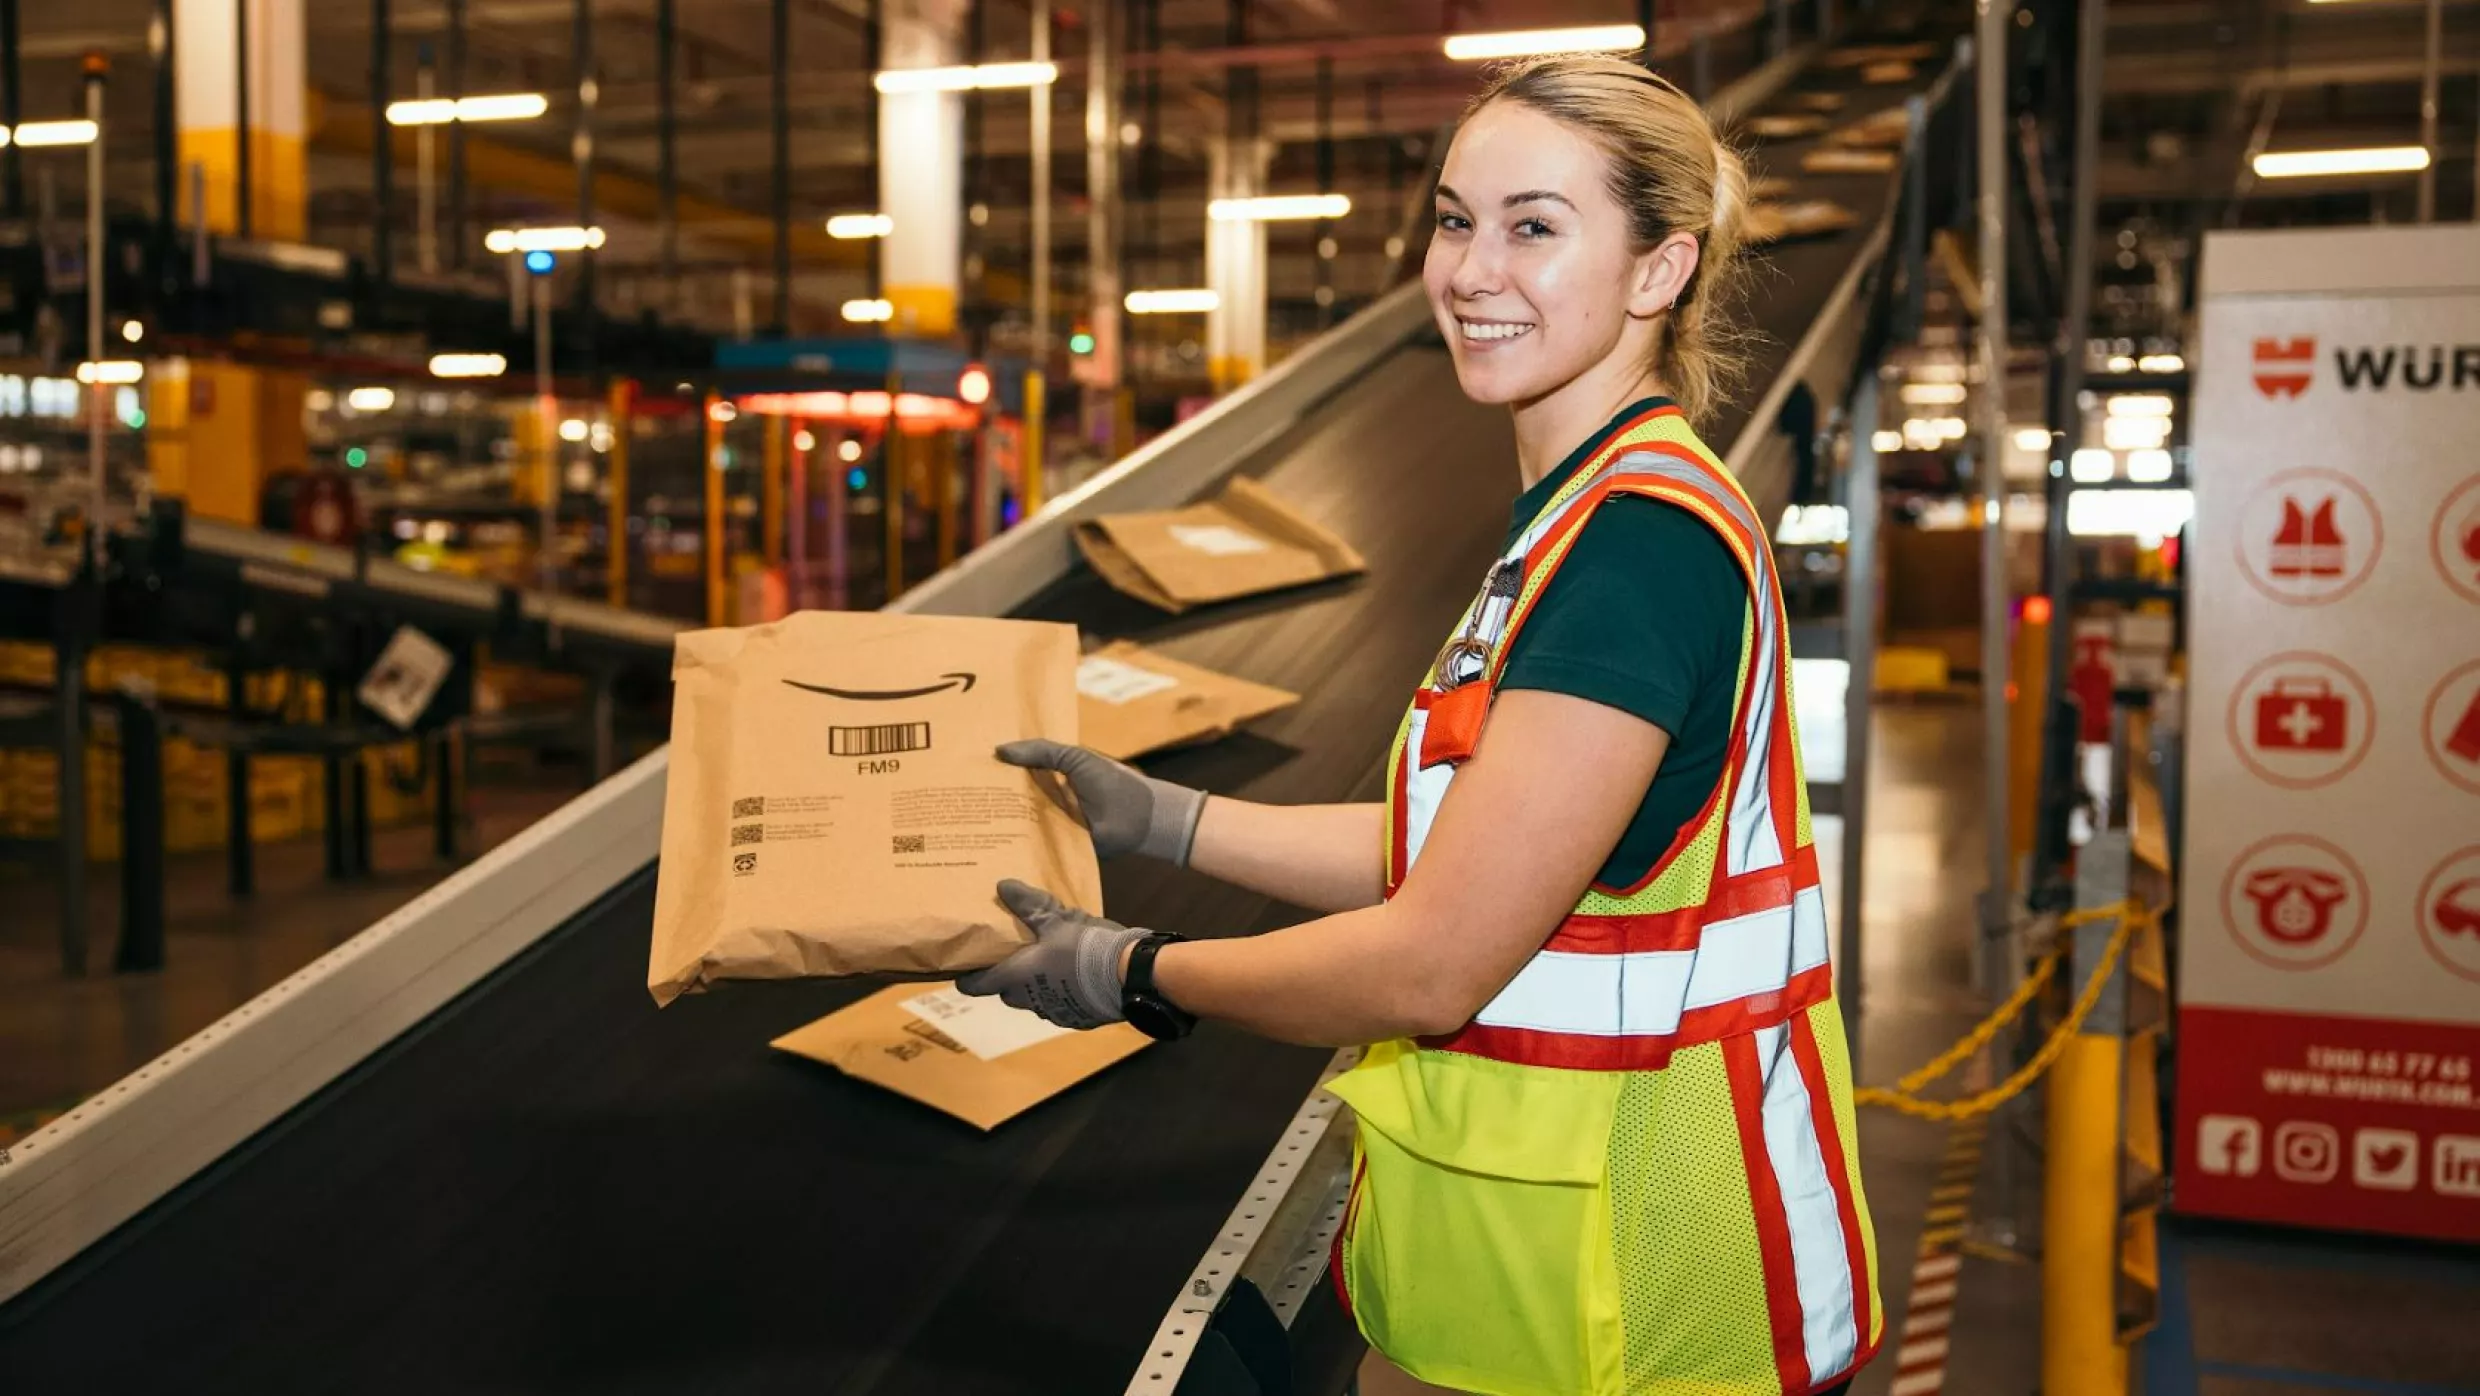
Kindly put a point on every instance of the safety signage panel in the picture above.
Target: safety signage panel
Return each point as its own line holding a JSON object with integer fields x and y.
{"x": 2329, "y": 985}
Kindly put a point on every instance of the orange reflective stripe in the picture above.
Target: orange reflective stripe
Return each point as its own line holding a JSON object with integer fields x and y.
{"x": 1679, "y": 928}
{"x": 1640, "y": 1051}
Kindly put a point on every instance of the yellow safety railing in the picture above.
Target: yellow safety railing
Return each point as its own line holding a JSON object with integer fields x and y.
{"x": 1904, "y": 1095}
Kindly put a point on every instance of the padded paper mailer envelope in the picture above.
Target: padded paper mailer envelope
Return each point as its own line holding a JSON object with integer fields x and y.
{"x": 835, "y": 806}
{"x": 1132, "y": 700}
{"x": 1241, "y": 542}
{"x": 881, "y": 1041}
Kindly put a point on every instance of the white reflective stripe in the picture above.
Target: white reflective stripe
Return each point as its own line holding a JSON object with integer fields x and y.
{"x": 1594, "y": 995}
{"x": 1760, "y": 952}
{"x": 1648, "y": 992}
{"x": 1753, "y": 844}
{"x": 1820, "y": 1263}
{"x": 1423, "y": 789}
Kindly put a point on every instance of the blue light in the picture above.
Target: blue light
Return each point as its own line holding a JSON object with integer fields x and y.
{"x": 859, "y": 479}
{"x": 540, "y": 262}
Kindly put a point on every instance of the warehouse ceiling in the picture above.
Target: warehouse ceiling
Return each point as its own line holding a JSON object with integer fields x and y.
{"x": 2193, "y": 88}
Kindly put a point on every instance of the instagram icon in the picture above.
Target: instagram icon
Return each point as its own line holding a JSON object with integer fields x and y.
{"x": 2306, "y": 1152}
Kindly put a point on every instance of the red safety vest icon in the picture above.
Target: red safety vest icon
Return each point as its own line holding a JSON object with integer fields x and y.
{"x": 2309, "y": 543}
{"x": 2294, "y": 905}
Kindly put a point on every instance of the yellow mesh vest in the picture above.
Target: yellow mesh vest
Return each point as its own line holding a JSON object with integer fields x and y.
{"x": 1636, "y": 1171}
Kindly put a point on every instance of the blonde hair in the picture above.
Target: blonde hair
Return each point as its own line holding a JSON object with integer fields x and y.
{"x": 1672, "y": 174}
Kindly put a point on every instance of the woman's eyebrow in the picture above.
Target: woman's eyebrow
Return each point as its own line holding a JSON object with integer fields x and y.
{"x": 1537, "y": 196}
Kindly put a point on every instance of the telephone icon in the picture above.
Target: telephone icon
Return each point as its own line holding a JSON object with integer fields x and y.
{"x": 2294, "y": 906}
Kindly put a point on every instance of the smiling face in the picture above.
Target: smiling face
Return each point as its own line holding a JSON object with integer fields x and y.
{"x": 1534, "y": 274}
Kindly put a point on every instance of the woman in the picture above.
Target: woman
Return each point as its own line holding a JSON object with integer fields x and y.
{"x": 1606, "y": 1141}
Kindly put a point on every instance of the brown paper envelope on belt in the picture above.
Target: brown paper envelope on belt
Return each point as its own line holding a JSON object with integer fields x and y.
{"x": 834, "y": 805}
{"x": 1239, "y": 543}
{"x": 974, "y": 1058}
{"x": 1132, "y": 700}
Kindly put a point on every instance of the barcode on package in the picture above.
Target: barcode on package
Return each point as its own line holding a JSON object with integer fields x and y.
{"x": 882, "y": 740}
{"x": 748, "y": 833}
{"x": 753, "y": 807}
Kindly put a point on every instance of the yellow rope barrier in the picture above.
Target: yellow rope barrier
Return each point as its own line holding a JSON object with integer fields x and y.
{"x": 1903, "y": 1097}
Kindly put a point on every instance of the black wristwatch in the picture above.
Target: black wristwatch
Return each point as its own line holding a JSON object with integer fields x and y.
{"x": 1144, "y": 1005}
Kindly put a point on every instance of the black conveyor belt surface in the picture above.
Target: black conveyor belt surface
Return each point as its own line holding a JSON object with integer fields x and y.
{"x": 552, "y": 1186}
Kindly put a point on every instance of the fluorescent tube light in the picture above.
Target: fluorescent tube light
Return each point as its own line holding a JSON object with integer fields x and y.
{"x": 1520, "y": 43}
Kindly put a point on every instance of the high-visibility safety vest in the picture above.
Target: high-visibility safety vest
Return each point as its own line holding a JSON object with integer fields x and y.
{"x": 1636, "y": 1170}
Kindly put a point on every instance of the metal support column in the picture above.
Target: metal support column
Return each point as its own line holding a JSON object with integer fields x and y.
{"x": 779, "y": 93}
{"x": 159, "y": 44}
{"x": 1863, "y": 510}
{"x": 2001, "y": 964}
{"x": 1325, "y": 292}
{"x": 382, "y": 161}
{"x": 241, "y": 122}
{"x": 98, "y": 393}
{"x": 426, "y": 167}
{"x": 602, "y": 716}
{"x": 2430, "y": 57}
{"x": 1037, "y": 407}
{"x": 12, "y": 82}
{"x": 667, "y": 161}
{"x": 453, "y": 75}
{"x": 2081, "y": 1221}
{"x": 2066, "y": 417}
{"x": 1102, "y": 225}
{"x": 142, "y": 835}
{"x": 331, "y": 774}
{"x": 1644, "y": 21}
{"x": 589, "y": 92}
{"x": 894, "y": 459}
{"x": 77, "y": 609}
{"x": 240, "y": 876}
{"x": 444, "y": 788}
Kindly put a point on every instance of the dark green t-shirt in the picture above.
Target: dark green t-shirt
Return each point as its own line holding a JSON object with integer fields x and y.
{"x": 1645, "y": 615}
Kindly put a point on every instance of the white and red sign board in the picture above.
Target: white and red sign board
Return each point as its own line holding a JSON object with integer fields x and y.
{"x": 2329, "y": 986}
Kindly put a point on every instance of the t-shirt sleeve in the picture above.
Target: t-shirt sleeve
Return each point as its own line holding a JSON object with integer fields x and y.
{"x": 1645, "y": 612}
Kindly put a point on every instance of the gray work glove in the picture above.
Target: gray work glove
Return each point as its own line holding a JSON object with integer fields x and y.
{"x": 1127, "y": 810}
{"x": 1070, "y": 974}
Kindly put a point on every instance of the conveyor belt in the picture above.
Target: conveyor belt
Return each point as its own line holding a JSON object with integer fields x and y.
{"x": 551, "y": 1186}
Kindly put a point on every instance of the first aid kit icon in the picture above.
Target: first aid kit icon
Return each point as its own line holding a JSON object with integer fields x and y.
{"x": 2301, "y": 719}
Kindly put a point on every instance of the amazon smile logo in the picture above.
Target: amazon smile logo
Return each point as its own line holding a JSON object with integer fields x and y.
{"x": 962, "y": 683}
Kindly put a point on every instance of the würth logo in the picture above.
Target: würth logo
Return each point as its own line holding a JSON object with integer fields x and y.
{"x": 2285, "y": 367}
{"x": 2417, "y": 366}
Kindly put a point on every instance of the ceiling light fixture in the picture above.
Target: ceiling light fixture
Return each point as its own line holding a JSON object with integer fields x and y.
{"x": 43, "y": 133}
{"x": 978, "y": 77}
{"x": 543, "y": 239}
{"x": 468, "y": 365}
{"x": 1520, "y": 43}
{"x": 1187, "y": 302}
{"x": 849, "y": 226}
{"x": 2307, "y": 164}
{"x": 1278, "y": 207}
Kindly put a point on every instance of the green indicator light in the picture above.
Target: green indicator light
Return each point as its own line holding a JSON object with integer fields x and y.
{"x": 356, "y": 457}
{"x": 1080, "y": 343}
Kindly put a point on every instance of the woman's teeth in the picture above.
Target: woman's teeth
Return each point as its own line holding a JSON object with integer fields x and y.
{"x": 1485, "y": 330}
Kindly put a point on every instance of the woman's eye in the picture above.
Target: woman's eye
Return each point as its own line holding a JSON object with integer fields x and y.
{"x": 1452, "y": 222}
{"x": 1533, "y": 228}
